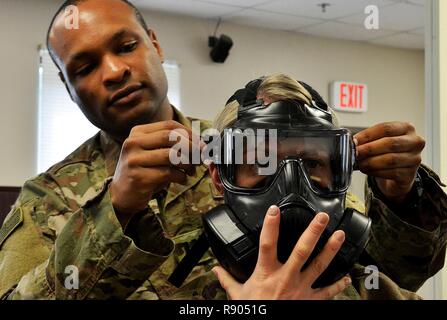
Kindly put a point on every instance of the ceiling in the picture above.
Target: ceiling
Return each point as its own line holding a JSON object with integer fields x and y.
{"x": 401, "y": 22}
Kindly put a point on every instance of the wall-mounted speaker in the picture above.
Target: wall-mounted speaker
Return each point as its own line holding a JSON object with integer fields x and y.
{"x": 220, "y": 47}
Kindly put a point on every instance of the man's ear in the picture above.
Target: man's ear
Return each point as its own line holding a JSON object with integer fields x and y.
{"x": 61, "y": 76}
{"x": 154, "y": 40}
{"x": 214, "y": 174}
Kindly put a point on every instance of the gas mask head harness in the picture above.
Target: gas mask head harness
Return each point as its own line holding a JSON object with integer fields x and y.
{"x": 288, "y": 154}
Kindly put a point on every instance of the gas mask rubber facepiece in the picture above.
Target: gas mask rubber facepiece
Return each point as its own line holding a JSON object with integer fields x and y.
{"x": 287, "y": 154}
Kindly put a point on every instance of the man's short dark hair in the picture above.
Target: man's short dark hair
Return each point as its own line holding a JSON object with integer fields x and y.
{"x": 67, "y": 3}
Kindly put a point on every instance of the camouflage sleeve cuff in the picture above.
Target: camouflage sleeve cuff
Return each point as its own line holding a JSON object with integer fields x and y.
{"x": 410, "y": 250}
{"x": 148, "y": 248}
{"x": 94, "y": 242}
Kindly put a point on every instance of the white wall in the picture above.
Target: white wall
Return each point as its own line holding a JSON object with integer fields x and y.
{"x": 22, "y": 28}
{"x": 395, "y": 77}
{"x": 440, "y": 37}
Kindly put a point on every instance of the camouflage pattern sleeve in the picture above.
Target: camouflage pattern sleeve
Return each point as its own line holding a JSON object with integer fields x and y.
{"x": 368, "y": 285}
{"x": 49, "y": 237}
{"x": 408, "y": 243}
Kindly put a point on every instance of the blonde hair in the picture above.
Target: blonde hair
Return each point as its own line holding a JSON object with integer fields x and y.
{"x": 283, "y": 87}
{"x": 226, "y": 117}
{"x": 274, "y": 87}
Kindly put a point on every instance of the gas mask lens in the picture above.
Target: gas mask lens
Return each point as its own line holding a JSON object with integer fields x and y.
{"x": 325, "y": 157}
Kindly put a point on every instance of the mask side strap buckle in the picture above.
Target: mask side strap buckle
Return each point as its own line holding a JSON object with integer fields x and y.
{"x": 189, "y": 261}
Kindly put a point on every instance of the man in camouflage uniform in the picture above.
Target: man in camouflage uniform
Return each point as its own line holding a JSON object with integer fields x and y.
{"x": 119, "y": 212}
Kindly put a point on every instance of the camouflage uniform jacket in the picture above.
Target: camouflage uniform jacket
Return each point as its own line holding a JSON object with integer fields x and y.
{"x": 64, "y": 217}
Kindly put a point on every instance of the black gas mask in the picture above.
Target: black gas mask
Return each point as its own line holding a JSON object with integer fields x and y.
{"x": 311, "y": 172}
{"x": 291, "y": 155}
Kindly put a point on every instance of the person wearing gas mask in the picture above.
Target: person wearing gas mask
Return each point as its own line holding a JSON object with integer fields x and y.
{"x": 293, "y": 231}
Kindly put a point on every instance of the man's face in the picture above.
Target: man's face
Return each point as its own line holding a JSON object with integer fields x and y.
{"x": 315, "y": 158}
{"x": 111, "y": 66}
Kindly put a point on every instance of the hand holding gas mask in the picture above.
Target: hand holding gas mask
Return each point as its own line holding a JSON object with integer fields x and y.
{"x": 274, "y": 280}
{"x": 309, "y": 167}
{"x": 391, "y": 153}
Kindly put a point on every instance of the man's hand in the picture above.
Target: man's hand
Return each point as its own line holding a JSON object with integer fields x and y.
{"x": 274, "y": 280}
{"x": 144, "y": 166}
{"x": 390, "y": 152}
